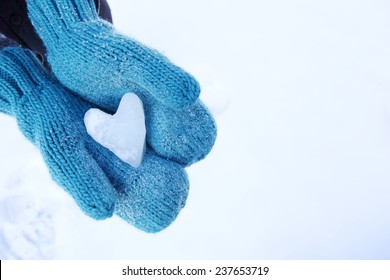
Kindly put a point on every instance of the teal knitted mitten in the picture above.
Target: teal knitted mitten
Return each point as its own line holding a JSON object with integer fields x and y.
{"x": 149, "y": 197}
{"x": 93, "y": 60}
{"x": 84, "y": 50}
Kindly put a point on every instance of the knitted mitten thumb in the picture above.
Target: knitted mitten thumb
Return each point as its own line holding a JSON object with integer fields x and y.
{"x": 49, "y": 117}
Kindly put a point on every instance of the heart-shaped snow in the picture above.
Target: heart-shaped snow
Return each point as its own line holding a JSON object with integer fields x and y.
{"x": 122, "y": 133}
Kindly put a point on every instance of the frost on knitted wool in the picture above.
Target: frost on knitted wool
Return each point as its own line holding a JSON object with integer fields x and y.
{"x": 122, "y": 133}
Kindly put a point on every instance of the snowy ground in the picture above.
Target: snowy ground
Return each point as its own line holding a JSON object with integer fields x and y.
{"x": 300, "y": 170}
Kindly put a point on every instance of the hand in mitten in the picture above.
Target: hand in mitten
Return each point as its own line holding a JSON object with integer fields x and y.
{"x": 89, "y": 57}
{"x": 51, "y": 117}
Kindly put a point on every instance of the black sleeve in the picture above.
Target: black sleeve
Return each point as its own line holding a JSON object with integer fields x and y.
{"x": 15, "y": 24}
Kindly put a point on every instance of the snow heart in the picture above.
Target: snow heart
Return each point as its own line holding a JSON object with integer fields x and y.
{"x": 122, "y": 133}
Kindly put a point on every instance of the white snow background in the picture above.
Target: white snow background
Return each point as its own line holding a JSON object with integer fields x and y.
{"x": 301, "y": 167}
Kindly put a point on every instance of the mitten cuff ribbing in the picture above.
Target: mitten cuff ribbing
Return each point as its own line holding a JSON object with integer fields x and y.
{"x": 50, "y": 18}
{"x": 20, "y": 73}
{"x": 22, "y": 67}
